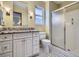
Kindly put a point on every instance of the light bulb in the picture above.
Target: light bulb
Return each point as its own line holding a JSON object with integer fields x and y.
{"x": 7, "y": 9}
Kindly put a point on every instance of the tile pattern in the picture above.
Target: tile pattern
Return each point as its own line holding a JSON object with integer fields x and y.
{"x": 55, "y": 52}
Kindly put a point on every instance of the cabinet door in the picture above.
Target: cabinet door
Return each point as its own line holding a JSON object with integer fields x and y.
{"x": 19, "y": 48}
{"x": 28, "y": 45}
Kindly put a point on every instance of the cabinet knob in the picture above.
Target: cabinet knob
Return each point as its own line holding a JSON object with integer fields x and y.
{"x": 5, "y": 47}
{"x": 5, "y": 37}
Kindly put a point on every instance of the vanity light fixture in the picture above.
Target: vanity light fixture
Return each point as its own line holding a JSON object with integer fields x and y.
{"x": 7, "y": 11}
{"x": 31, "y": 14}
{"x": 1, "y": 3}
{"x": 30, "y": 17}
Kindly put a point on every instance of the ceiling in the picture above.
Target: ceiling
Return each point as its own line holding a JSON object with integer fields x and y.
{"x": 58, "y": 2}
{"x": 62, "y": 2}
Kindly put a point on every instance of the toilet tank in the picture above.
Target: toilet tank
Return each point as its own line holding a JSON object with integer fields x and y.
{"x": 42, "y": 35}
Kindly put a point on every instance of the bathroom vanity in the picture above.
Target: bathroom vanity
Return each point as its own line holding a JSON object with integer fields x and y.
{"x": 19, "y": 43}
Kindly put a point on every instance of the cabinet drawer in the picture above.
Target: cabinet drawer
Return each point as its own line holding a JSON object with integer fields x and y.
{"x": 35, "y": 49}
{"x": 6, "y": 46}
{"x": 36, "y": 34}
{"x": 6, "y": 55}
{"x": 29, "y": 35}
{"x": 18, "y": 36}
{"x": 5, "y": 37}
{"x": 22, "y": 35}
{"x": 35, "y": 41}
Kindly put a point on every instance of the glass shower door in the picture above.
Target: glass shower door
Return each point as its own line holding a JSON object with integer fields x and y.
{"x": 58, "y": 29}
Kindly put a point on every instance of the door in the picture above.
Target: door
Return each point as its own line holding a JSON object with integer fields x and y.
{"x": 19, "y": 48}
{"x": 28, "y": 46}
{"x": 58, "y": 29}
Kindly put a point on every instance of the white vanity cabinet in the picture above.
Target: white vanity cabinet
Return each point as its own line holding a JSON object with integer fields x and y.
{"x": 6, "y": 45}
{"x": 19, "y": 44}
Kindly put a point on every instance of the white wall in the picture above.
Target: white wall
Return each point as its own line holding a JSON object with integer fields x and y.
{"x": 50, "y": 6}
{"x": 72, "y": 30}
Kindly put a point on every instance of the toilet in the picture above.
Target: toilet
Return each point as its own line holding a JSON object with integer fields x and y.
{"x": 45, "y": 43}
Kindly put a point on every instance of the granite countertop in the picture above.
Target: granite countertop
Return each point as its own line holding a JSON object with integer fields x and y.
{"x": 17, "y": 31}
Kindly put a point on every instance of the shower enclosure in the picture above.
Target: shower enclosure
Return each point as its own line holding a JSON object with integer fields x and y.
{"x": 65, "y": 28}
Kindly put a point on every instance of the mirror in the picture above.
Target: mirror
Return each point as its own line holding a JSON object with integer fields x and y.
{"x": 1, "y": 18}
{"x": 21, "y": 11}
{"x": 17, "y": 19}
